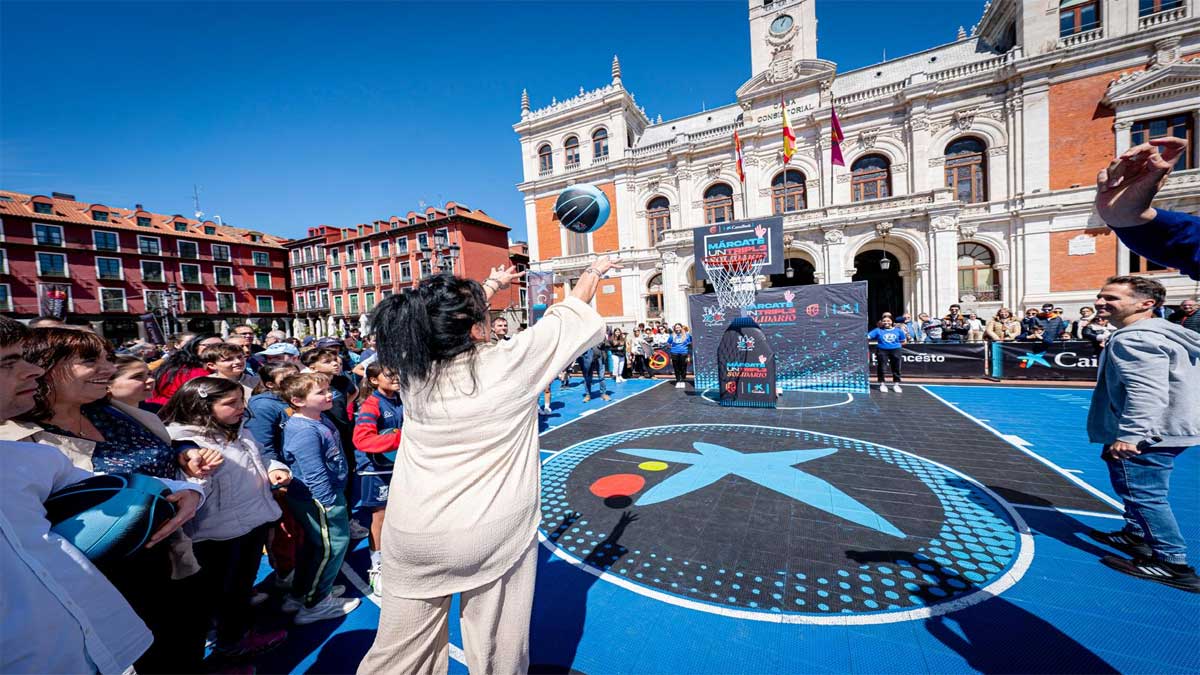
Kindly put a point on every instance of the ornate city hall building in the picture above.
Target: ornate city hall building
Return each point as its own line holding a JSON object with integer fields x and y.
{"x": 970, "y": 167}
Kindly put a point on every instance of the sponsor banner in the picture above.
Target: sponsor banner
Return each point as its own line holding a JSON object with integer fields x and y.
{"x": 818, "y": 334}
{"x": 746, "y": 366}
{"x": 540, "y": 291}
{"x": 154, "y": 333}
{"x": 1041, "y": 361}
{"x": 53, "y": 300}
{"x": 949, "y": 359}
{"x": 762, "y": 236}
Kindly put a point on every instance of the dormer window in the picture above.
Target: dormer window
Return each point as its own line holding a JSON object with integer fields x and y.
{"x": 100, "y": 216}
{"x": 412, "y": 220}
{"x": 256, "y": 238}
{"x": 180, "y": 226}
{"x": 452, "y": 211}
{"x": 44, "y": 208}
{"x": 209, "y": 229}
{"x": 143, "y": 221}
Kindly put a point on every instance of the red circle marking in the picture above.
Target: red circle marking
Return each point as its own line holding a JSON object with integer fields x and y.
{"x": 617, "y": 485}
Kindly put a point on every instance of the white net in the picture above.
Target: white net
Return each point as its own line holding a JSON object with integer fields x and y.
{"x": 734, "y": 279}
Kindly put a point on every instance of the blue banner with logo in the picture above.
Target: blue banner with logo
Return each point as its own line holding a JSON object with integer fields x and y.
{"x": 818, "y": 334}
{"x": 540, "y": 292}
{"x": 1042, "y": 361}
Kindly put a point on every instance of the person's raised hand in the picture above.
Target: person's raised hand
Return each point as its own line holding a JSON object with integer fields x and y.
{"x": 503, "y": 276}
{"x": 605, "y": 263}
{"x": 1125, "y": 188}
{"x": 186, "y": 502}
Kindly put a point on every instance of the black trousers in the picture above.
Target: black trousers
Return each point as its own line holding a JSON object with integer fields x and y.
{"x": 164, "y": 605}
{"x": 679, "y": 364}
{"x": 892, "y": 356}
{"x": 639, "y": 366}
{"x": 226, "y": 582}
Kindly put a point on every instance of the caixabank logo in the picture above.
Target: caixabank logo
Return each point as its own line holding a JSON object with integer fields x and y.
{"x": 1064, "y": 359}
{"x": 778, "y": 524}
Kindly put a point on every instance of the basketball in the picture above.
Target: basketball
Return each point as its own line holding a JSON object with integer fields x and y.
{"x": 581, "y": 208}
{"x": 109, "y": 517}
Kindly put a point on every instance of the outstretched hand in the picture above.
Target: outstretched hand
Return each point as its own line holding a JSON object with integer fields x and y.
{"x": 186, "y": 502}
{"x": 605, "y": 263}
{"x": 503, "y": 276}
{"x": 1126, "y": 187}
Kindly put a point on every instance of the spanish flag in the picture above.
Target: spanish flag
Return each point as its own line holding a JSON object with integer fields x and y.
{"x": 737, "y": 156}
{"x": 789, "y": 136}
{"x": 835, "y": 138}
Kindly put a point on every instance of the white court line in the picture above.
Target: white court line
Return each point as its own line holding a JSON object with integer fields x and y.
{"x": 555, "y": 452}
{"x": 363, "y": 587}
{"x": 1073, "y": 512}
{"x": 1006, "y": 438}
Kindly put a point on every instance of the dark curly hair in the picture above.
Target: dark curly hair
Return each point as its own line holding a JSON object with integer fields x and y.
{"x": 421, "y": 330}
{"x": 51, "y": 348}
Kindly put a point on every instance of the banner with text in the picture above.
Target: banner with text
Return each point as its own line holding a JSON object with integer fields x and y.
{"x": 1041, "y": 361}
{"x": 818, "y": 334}
{"x": 963, "y": 359}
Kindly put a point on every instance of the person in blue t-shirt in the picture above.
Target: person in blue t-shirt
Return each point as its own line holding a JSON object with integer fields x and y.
{"x": 888, "y": 341}
{"x": 679, "y": 344}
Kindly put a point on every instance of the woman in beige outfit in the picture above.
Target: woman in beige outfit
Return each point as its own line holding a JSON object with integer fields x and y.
{"x": 464, "y": 506}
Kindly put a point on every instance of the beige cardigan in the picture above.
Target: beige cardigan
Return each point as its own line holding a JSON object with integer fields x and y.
{"x": 464, "y": 500}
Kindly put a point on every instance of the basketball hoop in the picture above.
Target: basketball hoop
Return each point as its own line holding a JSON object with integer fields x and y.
{"x": 734, "y": 277}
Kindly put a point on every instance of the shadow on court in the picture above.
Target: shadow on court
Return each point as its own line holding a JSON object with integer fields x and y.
{"x": 560, "y": 605}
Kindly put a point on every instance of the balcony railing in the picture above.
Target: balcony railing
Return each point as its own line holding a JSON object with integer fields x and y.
{"x": 571, "y": 165}
{"x": 982, "y": 294}
{"x": 1080, "y": 38}
{"x": 1160, "y": 18}
{"x": 546, "y": 171}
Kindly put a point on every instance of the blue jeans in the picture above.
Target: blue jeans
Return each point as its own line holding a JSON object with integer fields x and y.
{"x": 590, "y": 365}
{"x": 1142, "y": 482}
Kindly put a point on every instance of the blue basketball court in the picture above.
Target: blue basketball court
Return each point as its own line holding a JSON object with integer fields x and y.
{"x": 936, "y": 530}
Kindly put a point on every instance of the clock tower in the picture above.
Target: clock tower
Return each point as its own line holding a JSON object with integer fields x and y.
{"x": 781, "y": 33}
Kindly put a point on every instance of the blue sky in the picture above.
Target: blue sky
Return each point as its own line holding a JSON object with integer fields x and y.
{"x": 290, "y": 115}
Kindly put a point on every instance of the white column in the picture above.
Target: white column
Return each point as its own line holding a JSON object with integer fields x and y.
{"x": 944, "y": 246}
{"x": 1036, "y": 138}
{"x": 835, "y": 255}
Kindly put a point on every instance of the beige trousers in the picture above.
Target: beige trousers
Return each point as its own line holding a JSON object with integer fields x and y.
{"x": 414, "y": 634}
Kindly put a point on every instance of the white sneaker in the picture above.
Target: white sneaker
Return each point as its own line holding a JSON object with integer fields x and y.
{"x": 896, "y": 388}
{"x": 293, "y": 604}
{"x": 375, "y": 576}
{"x": 883, "y": 388}
{"x": 620, "y": 380}
{"x": 680, "y": 385}
{"x": 357, "y": 531}
{"x": 330, "y": 607}
{"x": 544, "y": 411}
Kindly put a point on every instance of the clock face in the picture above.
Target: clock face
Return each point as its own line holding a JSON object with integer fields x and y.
{"x": 781, "y": 24}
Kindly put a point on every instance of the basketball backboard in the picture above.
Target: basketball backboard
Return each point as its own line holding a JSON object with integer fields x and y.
{"x": 741, "y": 237}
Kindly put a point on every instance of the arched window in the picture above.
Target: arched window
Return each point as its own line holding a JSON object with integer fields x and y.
{"x": 654, "y": 297}
{"x": 571, "y": 152}
{"x": 787, "y": 191}
{"x": 977, "y": 272}
{"x": 600, "y": 144}
{"x": 545, "y": 159}
{"x": 658, "y": 216}
{"x": 871, "y": 178}
{"x": 718, "y": 204}
{"x": 965, "y": 171}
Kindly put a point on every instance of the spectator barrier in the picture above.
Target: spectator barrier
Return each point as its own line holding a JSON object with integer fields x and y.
{"x": 1072, "y": 360}
{"x": 942, "y": 359}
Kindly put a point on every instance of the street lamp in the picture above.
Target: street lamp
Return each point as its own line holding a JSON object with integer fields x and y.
{"x": 453, "y": 252}
{"x": 172, "y": 305}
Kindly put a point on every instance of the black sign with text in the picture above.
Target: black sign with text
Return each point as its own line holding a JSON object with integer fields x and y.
{"x": 746, "y": 366}
{"x": 1041, "y": 361}
{"x": 946, "y": 359}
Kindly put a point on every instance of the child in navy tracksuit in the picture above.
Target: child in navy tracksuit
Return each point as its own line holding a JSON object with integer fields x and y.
{"x": 376, "y": 438}
{"x": 313, "y": 450}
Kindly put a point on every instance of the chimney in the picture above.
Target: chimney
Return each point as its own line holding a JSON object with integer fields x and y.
{"x": 62, "y": 195}
{"x": 138, "y": 207}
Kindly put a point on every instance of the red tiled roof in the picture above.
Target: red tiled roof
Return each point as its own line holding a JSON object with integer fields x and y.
{"x": 69, "y": 211}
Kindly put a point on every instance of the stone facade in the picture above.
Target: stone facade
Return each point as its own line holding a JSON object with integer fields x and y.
{"x": 1050, "y": 110}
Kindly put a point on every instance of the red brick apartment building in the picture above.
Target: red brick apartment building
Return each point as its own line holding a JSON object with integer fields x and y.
{"x": 372, "y": 261}
{"x": 110, "y": 264}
